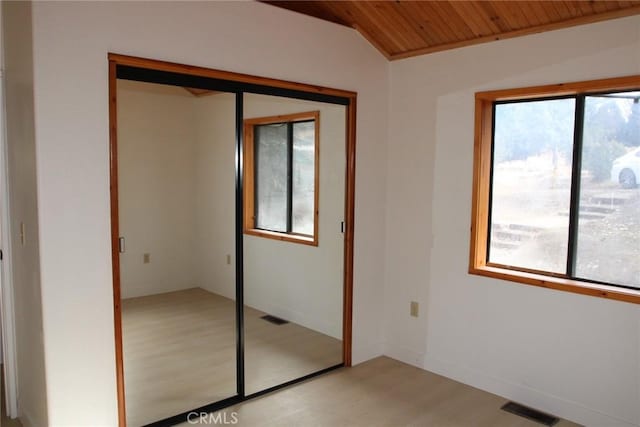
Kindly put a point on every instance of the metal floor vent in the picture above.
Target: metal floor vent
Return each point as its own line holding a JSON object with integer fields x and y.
{"x": 530, "y": 414}
{"x": 275, "y": 320}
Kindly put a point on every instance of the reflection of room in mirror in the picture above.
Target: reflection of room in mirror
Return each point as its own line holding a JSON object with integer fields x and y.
{"x": 170, "y": 194}
{"x": 176, "y": 170}
{"x": 296, "y": 282}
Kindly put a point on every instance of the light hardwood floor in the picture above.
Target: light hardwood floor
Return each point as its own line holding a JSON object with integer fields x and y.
{"x": 380, "y": 392}
{"x": 180, "y": 352}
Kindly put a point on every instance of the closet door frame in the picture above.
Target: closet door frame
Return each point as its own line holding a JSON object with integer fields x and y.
{"x": 154, "y": 71}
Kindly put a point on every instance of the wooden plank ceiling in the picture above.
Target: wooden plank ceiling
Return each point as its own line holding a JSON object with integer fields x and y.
{"x": 400, "y": 29}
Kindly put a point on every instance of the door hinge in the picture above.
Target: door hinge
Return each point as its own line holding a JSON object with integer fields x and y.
{"x": 1, "y": 255}
{"x": 121, "y": 245}
{"x": 342, "y": 226}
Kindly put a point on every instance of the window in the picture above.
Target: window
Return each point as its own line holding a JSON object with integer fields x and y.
{"x": 281, "y": 177}
{"x": 555, "y": 196}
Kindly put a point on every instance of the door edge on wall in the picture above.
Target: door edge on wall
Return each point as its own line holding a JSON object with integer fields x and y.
{"x": 7, "y": 308}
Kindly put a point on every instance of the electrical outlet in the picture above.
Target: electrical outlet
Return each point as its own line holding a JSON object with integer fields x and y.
{"x": 228, "y": 259}
{"x": 146, "y": 258}
{"x": 413, "y": 310}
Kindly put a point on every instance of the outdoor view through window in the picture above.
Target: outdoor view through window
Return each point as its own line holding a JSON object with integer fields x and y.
{"x": 537, "y": 144}
{"x": 285, "y": 177}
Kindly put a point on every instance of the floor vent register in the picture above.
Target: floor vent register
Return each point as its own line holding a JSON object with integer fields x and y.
{"x": 530, "y": 414}
{"x": 275, "y": 320}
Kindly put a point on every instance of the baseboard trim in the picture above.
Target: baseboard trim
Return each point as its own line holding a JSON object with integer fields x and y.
{"x": 534, "y": 398}
{"x": 404, "y": 354}
{"x": 363, "y": 351}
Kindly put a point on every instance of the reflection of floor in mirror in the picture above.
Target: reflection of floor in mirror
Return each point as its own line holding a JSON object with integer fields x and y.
{"x": 179, "y": 352}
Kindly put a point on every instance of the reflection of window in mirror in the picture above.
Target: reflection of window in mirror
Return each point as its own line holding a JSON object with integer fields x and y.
{"x": 281, "y": 177}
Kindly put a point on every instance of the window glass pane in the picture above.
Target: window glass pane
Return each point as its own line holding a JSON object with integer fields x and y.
{"x": 271, "y": 177}
{"x": 531, "y": 186}
{"x": 303, "y": 182}
{"x": 608, "y": 244}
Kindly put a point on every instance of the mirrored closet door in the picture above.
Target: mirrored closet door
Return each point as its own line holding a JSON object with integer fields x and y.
{"x": 294, "y": 153}
{"x": 232, "y": 236}
{"x": 176, "y": 191}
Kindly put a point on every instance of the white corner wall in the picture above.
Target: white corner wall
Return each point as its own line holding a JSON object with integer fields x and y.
{"x": 23, "y": 205}
{"x": 567, "y": 354}
{"x": 215, "y": 214}
{"x": 156, "y": 187}
{"x": 70, "y": 45}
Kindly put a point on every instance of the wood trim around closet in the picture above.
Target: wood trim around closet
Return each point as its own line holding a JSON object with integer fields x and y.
{"x": 116, "y": 60}
{"x": 115, "y": 234}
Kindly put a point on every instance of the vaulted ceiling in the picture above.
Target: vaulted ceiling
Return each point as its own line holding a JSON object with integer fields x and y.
{"x": 400, "y": 29}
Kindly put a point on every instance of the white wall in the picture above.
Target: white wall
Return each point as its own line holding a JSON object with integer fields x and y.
{"x": 71, "y": 41}
{"x": 572, "y": 355}
{"x": 32, "y": 403}
{"x": 216, "y": 193}
{"x": 156, "y": 187}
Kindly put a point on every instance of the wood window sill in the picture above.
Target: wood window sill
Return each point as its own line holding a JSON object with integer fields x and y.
{"x": 285, "y": 237}
{"x": 559, "y": 283}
